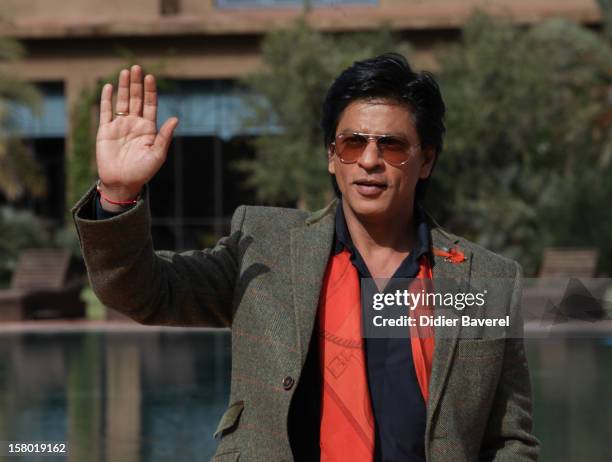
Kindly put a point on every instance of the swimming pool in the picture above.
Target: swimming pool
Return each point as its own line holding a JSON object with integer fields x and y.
{"x": 146, "y": 394}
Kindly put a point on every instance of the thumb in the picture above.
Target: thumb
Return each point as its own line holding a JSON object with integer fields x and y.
{"x": 164, "y": 135}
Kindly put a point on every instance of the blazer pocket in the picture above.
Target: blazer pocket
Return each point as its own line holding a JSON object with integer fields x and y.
{"x": 229, "y": 420}
{"x": 481, "y": 348}
{"x": 230, "y": 456}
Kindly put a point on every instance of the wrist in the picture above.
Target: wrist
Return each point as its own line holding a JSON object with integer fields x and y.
{"x": 113, "y": 208}
{"x": 116, "y": 199}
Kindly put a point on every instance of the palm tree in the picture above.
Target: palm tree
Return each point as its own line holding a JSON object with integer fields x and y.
{"x": 19, "y": 171}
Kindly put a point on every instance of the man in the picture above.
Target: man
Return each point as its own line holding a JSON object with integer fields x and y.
{"x": 306, "y": 384}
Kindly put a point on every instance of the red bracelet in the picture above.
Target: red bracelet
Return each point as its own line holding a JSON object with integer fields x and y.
{"x": 132, "y": 202}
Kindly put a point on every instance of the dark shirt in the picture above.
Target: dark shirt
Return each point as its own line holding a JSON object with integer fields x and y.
{"x": 397, "y": 403}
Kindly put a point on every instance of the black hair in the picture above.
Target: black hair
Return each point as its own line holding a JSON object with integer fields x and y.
{"x": 388, "y": 76}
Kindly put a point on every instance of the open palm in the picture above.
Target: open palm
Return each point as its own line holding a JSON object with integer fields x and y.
{"x": 129, "y": 149}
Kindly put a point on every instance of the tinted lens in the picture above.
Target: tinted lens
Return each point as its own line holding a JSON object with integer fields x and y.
{"x": 395, "y": 150}
{"x": 350, "y": 147}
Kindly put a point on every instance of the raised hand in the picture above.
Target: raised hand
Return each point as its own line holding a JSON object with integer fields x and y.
{"x": 129, "y": 149}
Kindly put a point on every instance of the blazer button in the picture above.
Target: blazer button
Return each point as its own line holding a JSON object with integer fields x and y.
{"x": 288, "y": 382}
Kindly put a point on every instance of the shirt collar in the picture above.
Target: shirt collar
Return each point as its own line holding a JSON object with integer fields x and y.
{"x": 343, "y": 239}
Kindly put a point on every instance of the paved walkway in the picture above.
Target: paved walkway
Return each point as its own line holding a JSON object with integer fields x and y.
{"x": 81, "y": 325}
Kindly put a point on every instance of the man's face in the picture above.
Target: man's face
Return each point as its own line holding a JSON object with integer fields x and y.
{"x": 371, "y": 187}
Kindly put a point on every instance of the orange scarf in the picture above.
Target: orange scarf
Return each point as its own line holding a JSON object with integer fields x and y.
{"x": 347, "y": 422}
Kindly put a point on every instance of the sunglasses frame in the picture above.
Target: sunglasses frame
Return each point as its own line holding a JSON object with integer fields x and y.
{"x": 370, "y": 137}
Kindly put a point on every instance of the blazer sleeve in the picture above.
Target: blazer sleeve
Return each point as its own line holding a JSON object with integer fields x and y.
{"x": 192, "y": 288}
{"x": 509, "y": 436}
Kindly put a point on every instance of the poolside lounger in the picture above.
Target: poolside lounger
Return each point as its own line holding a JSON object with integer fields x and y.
{"x": 43, "y": 286}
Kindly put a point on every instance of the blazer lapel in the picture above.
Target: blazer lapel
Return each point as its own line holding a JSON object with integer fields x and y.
{"x": 445, "y": 344}
{"x": 311, "y": 246}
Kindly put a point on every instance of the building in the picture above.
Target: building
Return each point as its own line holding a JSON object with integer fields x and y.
{"x": 204, "y": 46}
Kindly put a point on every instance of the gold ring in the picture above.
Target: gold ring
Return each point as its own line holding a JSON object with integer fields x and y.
{"x": 122, "y": 113}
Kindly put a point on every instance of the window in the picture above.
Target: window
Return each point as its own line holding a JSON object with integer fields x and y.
{"x": 50, "y": 123}
{"x": 43, "y": 133}
{"x": 292, "y": 3}
{"x": 198, "y": 188}
{"x": 169, "y": 7}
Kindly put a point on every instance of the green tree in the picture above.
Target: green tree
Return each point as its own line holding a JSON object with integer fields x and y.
{"x": 80, "y": 166}
{"x": 528, "y": 150}
{"x": 605, "y": 6}
{"x": 19, "y": 171}
{"x": 299, "y": 66}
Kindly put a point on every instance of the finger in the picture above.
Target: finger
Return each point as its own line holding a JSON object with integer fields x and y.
{"x": 136, "y": 90}
{"x": 164, "y": 136}
{"x": 150, "y": 99}
{"x": 106, "y": 105}
{"x": 123, "y": 92}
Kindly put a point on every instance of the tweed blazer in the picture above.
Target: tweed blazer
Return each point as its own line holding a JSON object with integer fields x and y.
{"x": 263, "y": 281}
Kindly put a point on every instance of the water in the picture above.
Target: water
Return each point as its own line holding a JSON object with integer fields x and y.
{"x": 572, "y": 396}
{"x": 137, "y": 396}
{"x": 157, "y": 395}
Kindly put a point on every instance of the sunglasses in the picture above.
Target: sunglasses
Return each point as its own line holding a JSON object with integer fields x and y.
{"x": 349, "y": 147}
